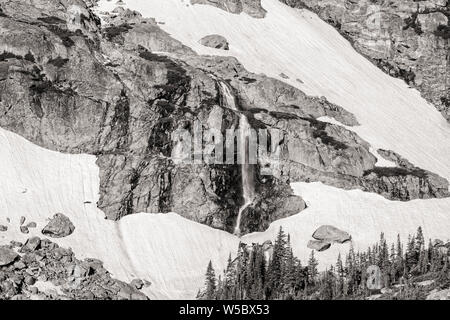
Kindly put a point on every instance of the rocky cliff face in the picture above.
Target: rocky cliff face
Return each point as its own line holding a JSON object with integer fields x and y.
{"x": 251, "y": 7}
{"x": 41, "y": 270}
{"x": 407, "y": 39}
{"x": 69, "y": 84}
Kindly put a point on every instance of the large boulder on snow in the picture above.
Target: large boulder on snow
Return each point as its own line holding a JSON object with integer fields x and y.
{"x": 7, "y": 256}
{"x": 319, "y": 245}
{"x": 331, "y": 234}
{"x": 215, "y": 41}
{"x": 251, "y": 7}
{"x": 59, "y": 226}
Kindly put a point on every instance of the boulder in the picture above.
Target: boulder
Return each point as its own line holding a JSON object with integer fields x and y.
{"x": 319, "y": 245}
{"x": 422, "y": 61}
{"x": 59, "y": 226}
{"x": 215, "y": 41}
{"x": 7, "y": 256}
{"x": 251, "y": 7}
{"x": 32, "y": 244}
{"x": 437, "y": 294}
{"x": 29, "y": 280}
{"x": 331, "y": 234}
{"x": 127, "y": 292}
{"x": 16, "y": 244}
{"x": 137, "y": 283}
{"x": 24, "y": 230}
{"x": 31, "y": 225}
{"x": 19, "y": 265}
{"x": 3, "y": 228}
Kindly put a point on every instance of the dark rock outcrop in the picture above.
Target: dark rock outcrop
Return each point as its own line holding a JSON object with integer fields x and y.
{"x": 69, "y": 85}
{"x": 215, "y": 41}
{"x": 319, "y": 245}
{"x": 31, "y": 244}
{"x": 331, "y": 234}
{"x": 59, "y": 226}
{"x": 7, "y": 256}
{"x": 46, "y": 271}
{"x": 405, "y": 184}
{"x": 407, "y": 39}
{"x": 251, "y": 7}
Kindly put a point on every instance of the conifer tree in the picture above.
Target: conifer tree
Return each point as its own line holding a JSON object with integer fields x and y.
{"x": 247, "y": 277}
{"x": 276, "y": 265}
{"x": 210, "y": 282}
{"x": 340, "y": 276}
{"x": 312, "y": 268}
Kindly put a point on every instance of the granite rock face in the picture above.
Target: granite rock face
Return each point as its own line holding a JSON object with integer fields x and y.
{"x": 70, "y": 85}
{"x": 251, "y": 7}
{"x": 59, "y": 226}
{"x": 105, "y": 93}
{"x": 45, "y": 271}
{"x": 331, "y": 234}
{"x": 319, "y": 245}
{"x": 407, "y": 39}
{"x": 7, "y": 256}
{"x": 215, "y": 41}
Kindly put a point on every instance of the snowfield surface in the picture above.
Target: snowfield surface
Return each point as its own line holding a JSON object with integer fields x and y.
{"x": 364, "y": 215}
{"x": 166, "y": 249}
{"x": 172, "y": 252}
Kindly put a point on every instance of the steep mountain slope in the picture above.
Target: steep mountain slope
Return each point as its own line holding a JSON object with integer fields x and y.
{"x": 167, "y": 250}
{"x": 298, "y": 44}
{"x": 361, "y": 214}
{"x": 407, "y": 39}
{"x": 105, "y": 111}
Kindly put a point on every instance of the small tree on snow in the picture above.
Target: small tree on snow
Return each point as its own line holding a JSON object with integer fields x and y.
{"x": 210, "y": 282}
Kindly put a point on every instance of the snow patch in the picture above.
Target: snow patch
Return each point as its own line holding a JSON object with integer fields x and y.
{"x": 169, "y": 251}
{"x": 363, "y": 215}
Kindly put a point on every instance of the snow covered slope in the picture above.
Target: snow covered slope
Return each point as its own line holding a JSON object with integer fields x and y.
{"x": 300, "y": 45}
{"x": 363, "y": 215}
{"x": 168, "y": 250}
{"x": 172, "y": 252}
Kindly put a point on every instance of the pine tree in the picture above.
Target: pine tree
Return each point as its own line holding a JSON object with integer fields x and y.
{"x": 312, "y": 268}
{"x": 411, "y": 259}
{"x": 278, "y": 257}
{"x": 399, "y": 248}
{"x": 248, "y": 278}
{"x": 229, "y": 280}
{"x": 340, "y": 276}
{"x": 420, "y": 241}
{"x": 210, "y": 282}
{"x": 289, "y": 268}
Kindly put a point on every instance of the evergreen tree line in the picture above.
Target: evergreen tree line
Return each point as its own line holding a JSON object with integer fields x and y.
{"x": 252, "y": 275}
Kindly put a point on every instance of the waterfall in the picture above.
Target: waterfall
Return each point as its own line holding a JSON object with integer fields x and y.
{"x": 246, "y": 168}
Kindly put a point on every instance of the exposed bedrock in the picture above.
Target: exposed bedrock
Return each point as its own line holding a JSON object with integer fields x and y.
{"x": 215, "y": 41}
{"x": 251, "y": 7}
{"x": 407, "y": 39}
{"x": 42, "y": 271}
{"x": 103, "y": 92}
{"x": 331, "y": 234}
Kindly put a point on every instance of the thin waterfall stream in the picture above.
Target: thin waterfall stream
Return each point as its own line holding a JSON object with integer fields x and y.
{"x": 246, "y": 167}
